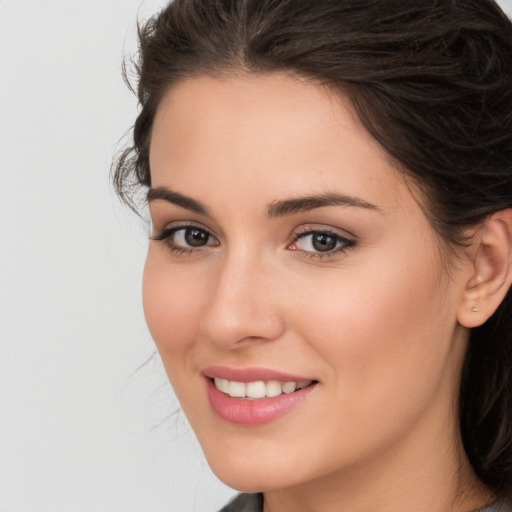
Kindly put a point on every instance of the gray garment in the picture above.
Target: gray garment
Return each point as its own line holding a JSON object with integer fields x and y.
{"x": 497, "y": 507}
{"x": 245, "y": 503}
{"x": 254, "y": 503}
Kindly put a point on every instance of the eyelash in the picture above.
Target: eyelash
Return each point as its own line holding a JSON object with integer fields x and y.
{"x": 345, "y": 243}
{"x": 167, "y": 234}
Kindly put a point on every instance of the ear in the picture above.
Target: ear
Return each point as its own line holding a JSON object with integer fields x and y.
{"x": 490, "y": 269}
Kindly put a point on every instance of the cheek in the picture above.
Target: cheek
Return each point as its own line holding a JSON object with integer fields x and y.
{"x": 382, "y": 327}
{"x": 171, "y": 306}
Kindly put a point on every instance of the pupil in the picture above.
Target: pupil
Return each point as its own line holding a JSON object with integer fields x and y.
{"x": 323, "y": 242}
{"x": 196, "y": 237}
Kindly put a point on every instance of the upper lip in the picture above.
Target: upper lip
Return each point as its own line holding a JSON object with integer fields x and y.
{"x": 251, "y": 374}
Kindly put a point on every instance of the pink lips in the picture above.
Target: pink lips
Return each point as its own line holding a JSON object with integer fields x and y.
{"x": 252, "y": 412}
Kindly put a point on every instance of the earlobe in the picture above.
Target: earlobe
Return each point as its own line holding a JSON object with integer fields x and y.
{"x": 491, "y": 268}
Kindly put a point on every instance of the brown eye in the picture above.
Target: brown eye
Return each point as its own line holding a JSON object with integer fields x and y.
{"x": 320, "y": 243}
{"x": 195, "y": 237}
{"x": 323, "y": 242}
{"x": 186, "y": 238}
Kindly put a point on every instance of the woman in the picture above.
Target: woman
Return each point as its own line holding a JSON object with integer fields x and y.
{"x": 328, "y": 277}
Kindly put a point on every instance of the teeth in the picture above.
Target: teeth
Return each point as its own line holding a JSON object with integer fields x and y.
{"x": 274, "y": 388}
{"x": 236, "y": 389}
{"x": 222, "y": 385}
{"x": 289, "y": 387}
{"x": 258, "y": 389}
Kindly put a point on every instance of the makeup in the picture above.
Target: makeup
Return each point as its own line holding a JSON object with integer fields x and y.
{"x": 254, "y": 396}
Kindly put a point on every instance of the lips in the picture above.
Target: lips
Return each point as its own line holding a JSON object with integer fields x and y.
{"x": 254, "y": 396}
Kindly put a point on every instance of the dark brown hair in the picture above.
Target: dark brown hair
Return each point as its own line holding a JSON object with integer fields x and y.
{"x": 432, "y": 82}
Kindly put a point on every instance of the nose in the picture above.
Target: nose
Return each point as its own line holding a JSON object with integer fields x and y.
{"x": 243, "y": 305}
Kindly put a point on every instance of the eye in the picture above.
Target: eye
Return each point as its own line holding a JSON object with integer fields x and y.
{"x": 191, "y": 237}
{"x": 186, "y": 238}
{"x": 319, "y": 243}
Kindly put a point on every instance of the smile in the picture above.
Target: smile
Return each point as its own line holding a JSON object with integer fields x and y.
{"x": 258, "y": 389}
{"x": 254, "y": 396}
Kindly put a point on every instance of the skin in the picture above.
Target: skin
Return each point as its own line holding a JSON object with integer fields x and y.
{"x": 375, "y": 324}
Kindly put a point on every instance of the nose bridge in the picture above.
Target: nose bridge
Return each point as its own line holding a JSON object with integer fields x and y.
{"x": 243, "y": 304}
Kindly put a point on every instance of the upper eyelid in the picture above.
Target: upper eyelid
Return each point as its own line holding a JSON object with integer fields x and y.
{"x": 167, "y": 231}
{"x": 177, "y": 225}
{"x": 322, "y": 228}
{"x": 329, "y": 231}
{"x": 341, "y": 238}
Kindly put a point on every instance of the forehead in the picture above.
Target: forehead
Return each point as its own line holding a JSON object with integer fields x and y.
{"x": 287, "y": 132}
{"x": 273, "y": 103}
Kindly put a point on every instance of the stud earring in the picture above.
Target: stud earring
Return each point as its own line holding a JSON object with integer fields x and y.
{"x": 474, "y": 309}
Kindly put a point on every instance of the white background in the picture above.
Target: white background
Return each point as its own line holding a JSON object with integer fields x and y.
{"x": 82, "y": 429}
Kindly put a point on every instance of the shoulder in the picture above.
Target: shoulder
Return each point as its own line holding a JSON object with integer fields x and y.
{"x": 245, "y": 503}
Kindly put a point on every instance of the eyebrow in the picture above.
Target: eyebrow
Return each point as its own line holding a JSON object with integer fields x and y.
{"x": 280, "y": 208}
{"x": 304, "y": 204}
{"x": 162, "y": 193}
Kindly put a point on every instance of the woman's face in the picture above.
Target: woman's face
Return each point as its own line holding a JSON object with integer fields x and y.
{"x": 287, "y": 249}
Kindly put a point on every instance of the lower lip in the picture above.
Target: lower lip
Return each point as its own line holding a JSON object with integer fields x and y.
{"x": 253, "y": 412}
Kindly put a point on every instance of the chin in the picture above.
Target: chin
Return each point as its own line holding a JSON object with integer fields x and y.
{"x": 251, "y": 481}
{"x": 250, "y": 473}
